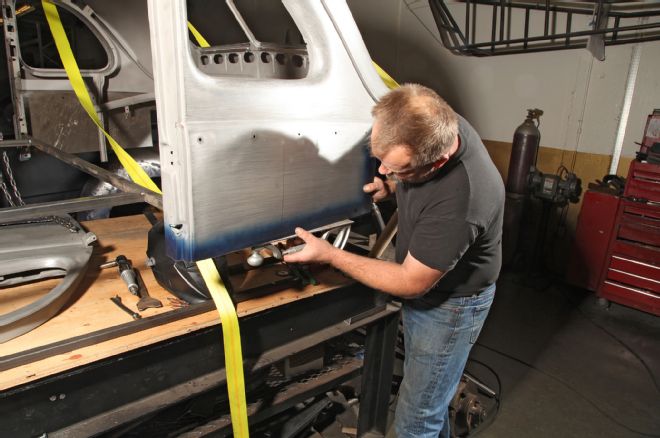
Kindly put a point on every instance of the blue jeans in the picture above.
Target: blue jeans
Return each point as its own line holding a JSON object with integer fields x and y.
{"x": 437, "y": 343}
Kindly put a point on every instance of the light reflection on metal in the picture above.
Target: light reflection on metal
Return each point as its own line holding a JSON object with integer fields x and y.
{"x": 146, "y": 158}
{"x": 36, "y": 251}
{"x": 122, "y": 184}
{"x": 245, "y": 158}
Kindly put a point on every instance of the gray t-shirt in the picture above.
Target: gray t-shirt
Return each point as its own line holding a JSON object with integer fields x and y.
{"x": 453, "y": 222}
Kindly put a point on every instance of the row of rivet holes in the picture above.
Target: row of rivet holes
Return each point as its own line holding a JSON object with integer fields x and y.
{"x": 248, "y": 57}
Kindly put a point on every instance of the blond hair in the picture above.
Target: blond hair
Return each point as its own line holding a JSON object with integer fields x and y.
{"x": 414, "y": 116}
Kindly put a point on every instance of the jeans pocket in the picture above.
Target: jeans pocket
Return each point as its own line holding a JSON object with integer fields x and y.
{"x": 430, "y": 332}
{"x": 479, "y": 314}
{"x": 449, "y": 331}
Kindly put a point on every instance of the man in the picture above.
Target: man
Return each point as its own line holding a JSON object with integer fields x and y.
{"x": 448, "y": 251}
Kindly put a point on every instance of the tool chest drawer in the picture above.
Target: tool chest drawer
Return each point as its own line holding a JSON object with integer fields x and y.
{"x": 643, "y": 181}
{"x": 635, "y": 273}
{"x": 639, "y": 223}
{"x": 631, "y": 271}
{"x": 635, "y": 251}
{"x": 631, "y": 296}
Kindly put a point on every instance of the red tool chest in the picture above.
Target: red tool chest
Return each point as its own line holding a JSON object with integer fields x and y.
{"x": 592, "y": 238}
{"x": 631, "y": 270}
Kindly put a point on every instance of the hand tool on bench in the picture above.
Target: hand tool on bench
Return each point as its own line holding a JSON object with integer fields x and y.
{"x": 134, "y": 282}
{"x": 126, "y": 272}
{"x": 146, "y": 301}
{"x": 117, "y": 300}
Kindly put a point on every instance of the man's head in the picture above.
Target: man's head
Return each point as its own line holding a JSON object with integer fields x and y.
{"x": 413, "y": 128}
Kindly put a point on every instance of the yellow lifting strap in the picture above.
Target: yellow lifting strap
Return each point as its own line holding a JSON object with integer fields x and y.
{"x": 201, "y": 41}
{"x": 389, "y": 81}
{"x": 228, "y": 317}
{"x": 231, "y": 337}
{"x": 231, "y": 334}
{"x": 137, "y": 174}
{"x": 233, "y": 355}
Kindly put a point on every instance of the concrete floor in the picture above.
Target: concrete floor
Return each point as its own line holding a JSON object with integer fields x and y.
{"x": 564, "y": 365}
{"x": 568, "y": 367}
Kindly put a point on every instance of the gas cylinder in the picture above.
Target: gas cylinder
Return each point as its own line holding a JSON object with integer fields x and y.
{"x": 526, "y": 140}
{"x": 523, "y": 156}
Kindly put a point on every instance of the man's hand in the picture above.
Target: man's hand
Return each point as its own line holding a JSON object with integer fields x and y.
{"x": 315, "y": 251}
{"x": 379, "y": 189}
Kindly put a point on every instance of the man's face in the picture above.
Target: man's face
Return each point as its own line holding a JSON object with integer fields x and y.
{"x": 396, "y": 164}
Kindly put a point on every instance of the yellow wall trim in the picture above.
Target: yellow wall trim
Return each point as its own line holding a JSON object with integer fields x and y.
{"x": 589, "y": 167}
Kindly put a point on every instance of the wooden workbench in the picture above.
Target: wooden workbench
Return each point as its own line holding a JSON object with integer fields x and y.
{"x": 90, "y": 309}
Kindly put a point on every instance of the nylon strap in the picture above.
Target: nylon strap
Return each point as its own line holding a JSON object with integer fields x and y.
{"x": 201, "y": 41}
{"x": 231, "y": 334}
{"x": 226, "y": 310}
{"x": 137, "y": 174}
{"x": 389, "y": 80}
{"x": 233, "y": 364}
{"x": 219, "y": 293}
{"x": 231, "y": 337}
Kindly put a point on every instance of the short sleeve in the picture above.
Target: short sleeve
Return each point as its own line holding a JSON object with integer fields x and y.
{"x": 440, "y": 242}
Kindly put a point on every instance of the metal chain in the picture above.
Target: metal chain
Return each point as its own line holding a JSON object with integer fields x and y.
{"x": 66, "y": 222}
{"x": 12, "y": 182}
{"x": 3, "y": 187}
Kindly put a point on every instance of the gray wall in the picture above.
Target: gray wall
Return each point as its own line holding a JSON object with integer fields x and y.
{"x": 581, "y": 96}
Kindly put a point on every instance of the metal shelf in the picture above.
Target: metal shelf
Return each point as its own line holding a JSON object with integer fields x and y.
{"x": 613, "y": 22}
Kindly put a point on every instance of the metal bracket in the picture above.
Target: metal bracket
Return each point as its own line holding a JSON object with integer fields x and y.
{"x": 15, "y": 76}
{"x": 133, "y": 192}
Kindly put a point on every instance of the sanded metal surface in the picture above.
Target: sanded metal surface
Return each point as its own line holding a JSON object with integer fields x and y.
{"x": 34, "y": 251}
{"x": 246, "y": 159}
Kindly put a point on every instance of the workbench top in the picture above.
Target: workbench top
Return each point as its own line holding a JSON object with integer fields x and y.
{"x": 90, "y": 309}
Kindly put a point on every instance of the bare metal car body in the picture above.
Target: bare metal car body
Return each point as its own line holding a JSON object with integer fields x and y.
{"x": 246, "y": 158}
{"x": 255, "y": 138}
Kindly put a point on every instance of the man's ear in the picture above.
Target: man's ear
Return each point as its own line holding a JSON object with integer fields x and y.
{"x": 440, "y": 162}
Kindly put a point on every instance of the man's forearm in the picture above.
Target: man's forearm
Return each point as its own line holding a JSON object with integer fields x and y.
{"x": 378, "y": 274}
